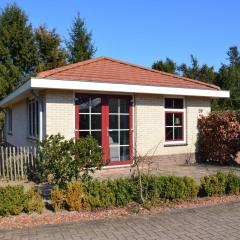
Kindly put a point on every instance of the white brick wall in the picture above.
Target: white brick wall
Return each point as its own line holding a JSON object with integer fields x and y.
{"x": 149, "y": 124}
{"x": 60, "y": 114}
{"x": 19, "y": 126}
{"x": 59, "y": 117}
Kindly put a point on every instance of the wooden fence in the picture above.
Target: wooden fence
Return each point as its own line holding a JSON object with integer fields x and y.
{"x": 16, "y": 162}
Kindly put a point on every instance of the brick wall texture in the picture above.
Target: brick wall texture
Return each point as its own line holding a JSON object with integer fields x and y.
{"x": 59, "y": 117}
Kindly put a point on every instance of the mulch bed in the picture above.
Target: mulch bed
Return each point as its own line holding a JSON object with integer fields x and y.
{"x": 24, "y": 220}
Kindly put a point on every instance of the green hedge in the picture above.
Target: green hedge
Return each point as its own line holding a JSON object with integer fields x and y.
{"x": 220, "y": 184}
{"x": 13, "y": 201}
{"x": 120, "y": 192}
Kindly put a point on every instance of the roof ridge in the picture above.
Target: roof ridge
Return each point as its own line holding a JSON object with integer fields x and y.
{"x": 164, "y": 73}
{"x": 50, "y": 72}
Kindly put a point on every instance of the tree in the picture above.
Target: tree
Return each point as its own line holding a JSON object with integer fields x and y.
{"x": 228, "y": 78}
{"x": 168, "y": 66}
{"x": 203, "y": 73}
{"x": 17, "y": 49}
{"x": 80, "y": 46}
{"x": 49, "y": 51}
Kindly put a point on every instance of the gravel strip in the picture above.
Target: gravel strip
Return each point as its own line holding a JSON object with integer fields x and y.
{"x": 26, "y": 221}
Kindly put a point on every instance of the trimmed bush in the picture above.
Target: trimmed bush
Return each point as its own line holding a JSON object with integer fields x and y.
{"x": 100, "y": 194}
{"x": 172, "y": 187}
{"x": 220, "y": 184}
{"x": 233, "y": 183}
{"x": 34, "y": 202}
{"x": 58, "y": 198}
{"x": 221, "y": 130}
{"x": 213, "y": 185}
{"x": 12, "y": 200}
{"x": 76, "y": 197}
{"x": 120, "y": 192}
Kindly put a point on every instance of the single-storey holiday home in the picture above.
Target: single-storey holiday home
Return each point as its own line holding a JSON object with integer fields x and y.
{"x": 126, "y": 107}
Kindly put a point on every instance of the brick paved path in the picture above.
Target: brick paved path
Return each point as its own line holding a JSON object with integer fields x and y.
{"x": 216, "y": 222}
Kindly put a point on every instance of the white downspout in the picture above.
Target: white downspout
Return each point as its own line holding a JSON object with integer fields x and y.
{"x": 40, "y": 114}
{"x": 40, "y": 121}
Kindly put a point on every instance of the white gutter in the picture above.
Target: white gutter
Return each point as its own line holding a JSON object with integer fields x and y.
{"x": 42, "y": 83}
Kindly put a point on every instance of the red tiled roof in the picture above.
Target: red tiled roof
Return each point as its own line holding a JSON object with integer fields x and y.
{"x": 104, "y": 69}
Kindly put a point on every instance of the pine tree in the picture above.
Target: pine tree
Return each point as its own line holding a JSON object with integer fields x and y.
{"x": 80, "y": 46}
{"x": 17, "y": 49}
{"x": 168, "y": 66}
{"x": 49, "y": 51}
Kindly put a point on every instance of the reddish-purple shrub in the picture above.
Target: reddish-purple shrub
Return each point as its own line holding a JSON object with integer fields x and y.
{"x": 219, "y": 137}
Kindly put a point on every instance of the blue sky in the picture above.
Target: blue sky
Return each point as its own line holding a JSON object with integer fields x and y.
{"x": 142, "y": 31}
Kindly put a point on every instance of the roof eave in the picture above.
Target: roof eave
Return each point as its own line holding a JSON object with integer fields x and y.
{"x": 43, "y": 83}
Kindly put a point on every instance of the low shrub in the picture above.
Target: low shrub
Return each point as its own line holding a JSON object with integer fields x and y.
{"x": 76, "y": 196}
{"x": 120, "y": 192}
{"x": 220, "y": 184}
{"x": 34, "y": 202}
{"x": 100, "y": 194}
{"x": 58, "y": 198}
{"x": 172, "y": 187}
{"x": 12, "y": 200}
{"x": 233, "y": 183}
{"x": 213, "y": 185}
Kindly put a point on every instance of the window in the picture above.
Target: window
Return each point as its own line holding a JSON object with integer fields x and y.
{"x": 174, "y": 120}
{"x": 90, "y": 117}
{"x": 33, "y": 119}
{"x": 9, "y": 116}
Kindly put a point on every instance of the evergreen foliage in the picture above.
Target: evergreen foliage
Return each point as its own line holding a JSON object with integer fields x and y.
{"x": 49, "y": 51}
{"x": 80, "y": 46}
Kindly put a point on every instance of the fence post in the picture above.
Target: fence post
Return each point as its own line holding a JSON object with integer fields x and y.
{"x": 10, "y": 163}
{"x": 3, "y": 165}
{"x": 21, "y": 160}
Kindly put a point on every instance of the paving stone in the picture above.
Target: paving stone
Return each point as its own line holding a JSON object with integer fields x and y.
{"x": 212, "y": 223}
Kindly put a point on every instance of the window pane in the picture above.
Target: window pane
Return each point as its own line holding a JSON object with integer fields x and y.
{"x": 124, "y": 137}
{"x": 30, "y": 119}
{"x": 124, "y": 153}
{"x": 98, "y": 136}
{"x": 96, "y": 105}
{"x": 124, "y": 105}
{"x": 124, "y": 121}
{"x": 113, "y": 121}
{"x": 113, "y": 138}
{"x": 178, "y": 119}
{"x": 95, "y": 121}
{"x": 178, "y": 103}
{"x": 169, "y": 102}
{"x": 113, "y": 105}
{"x": 169, "y": 133}
{"x": 84, "y": 103}
{"x": 84, "y": 133}
{"x": 33, "y": 119}
{"x": 178, "y": 135}
{"x": 83, "y": 121}
{"x": 114, "y": 154}
{"x": 37, "y": 118}
{"x": 169, "y": 119}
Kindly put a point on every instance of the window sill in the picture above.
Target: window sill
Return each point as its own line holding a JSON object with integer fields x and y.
{"x": 174, "y": 144}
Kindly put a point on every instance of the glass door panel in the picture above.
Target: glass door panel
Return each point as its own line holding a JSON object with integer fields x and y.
{"x": 90, "y": 117}
{"x": 119, "y": 128}
{"x": 107, "y": 119}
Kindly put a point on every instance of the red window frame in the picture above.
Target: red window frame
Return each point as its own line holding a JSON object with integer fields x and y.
{"x": 105, "y": 125}
{"x": 174, "y": 112}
